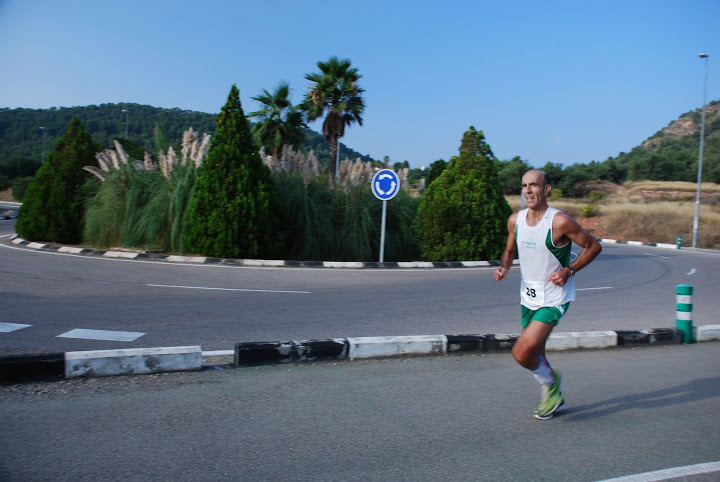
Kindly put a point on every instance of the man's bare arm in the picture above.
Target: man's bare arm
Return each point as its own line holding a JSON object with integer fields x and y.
{"x": 509, "y": 252}
{"x": 571, "y": 230}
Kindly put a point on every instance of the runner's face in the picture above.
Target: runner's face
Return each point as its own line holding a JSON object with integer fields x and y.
{"x": 534, "y": 189}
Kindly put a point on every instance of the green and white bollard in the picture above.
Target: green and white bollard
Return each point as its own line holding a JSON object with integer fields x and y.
{"x": 679, "y": 242}
{"x": 683, "y": 311}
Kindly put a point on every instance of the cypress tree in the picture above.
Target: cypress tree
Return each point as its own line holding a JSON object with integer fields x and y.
{"x": 52, "y": 207}
{"x": 234, "y": 211}
{"x": 463, "y": 214}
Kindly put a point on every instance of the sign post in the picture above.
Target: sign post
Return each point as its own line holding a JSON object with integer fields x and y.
{"x": 385, "y": 185}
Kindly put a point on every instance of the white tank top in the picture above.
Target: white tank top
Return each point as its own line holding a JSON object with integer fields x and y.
{"x": 539, "y": 257}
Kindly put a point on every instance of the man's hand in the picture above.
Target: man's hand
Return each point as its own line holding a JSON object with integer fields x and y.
{"x": 500, "y": 273}
{"x": 560, "y": 276}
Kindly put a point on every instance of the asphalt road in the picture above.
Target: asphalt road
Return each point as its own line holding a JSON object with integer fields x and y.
{"x": 627, "y": 287}
{"x": 454, "y": 418}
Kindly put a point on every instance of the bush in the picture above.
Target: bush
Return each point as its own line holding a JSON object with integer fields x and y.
{"x": 19, "y": 187}
{"x": 52, "y": 207}
{"x": 463, "y": 214}
{"x": 234, "y": 211}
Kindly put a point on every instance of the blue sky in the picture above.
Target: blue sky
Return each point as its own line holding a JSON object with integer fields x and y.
{"x": 554, "y": 81}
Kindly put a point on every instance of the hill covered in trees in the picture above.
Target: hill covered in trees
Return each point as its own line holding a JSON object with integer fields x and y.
{"x": 671, "y": 154}
{"x": 22, "y": 138}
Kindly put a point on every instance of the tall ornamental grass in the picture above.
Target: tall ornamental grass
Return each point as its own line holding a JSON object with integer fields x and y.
{"x": 343, "y": 224}
{"x": 139, "y": 209}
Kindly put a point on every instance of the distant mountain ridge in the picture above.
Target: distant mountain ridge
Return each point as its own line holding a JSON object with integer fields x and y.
{"x": 22, "y": 138}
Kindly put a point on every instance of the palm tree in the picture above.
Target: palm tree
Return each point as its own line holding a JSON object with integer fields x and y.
{"x": 280, "y": 123}
{"x": 335, "y": 90}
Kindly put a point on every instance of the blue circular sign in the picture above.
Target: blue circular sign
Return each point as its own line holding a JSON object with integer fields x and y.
{"x": 385, "y": 184}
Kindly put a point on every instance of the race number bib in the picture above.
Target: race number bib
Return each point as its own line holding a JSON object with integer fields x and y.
{"x": 533, "y": 293}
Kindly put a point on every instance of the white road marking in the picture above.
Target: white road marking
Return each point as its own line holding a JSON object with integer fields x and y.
{"x": 229, "y": 289}
{"x": 691, "y": 272}
{"x": 598, "y": 288}
{"x": 675, "y": 472}
{"x": 107, "y": 335}
{"x": 656, "y": 255}
{"x": 10, "y": 327}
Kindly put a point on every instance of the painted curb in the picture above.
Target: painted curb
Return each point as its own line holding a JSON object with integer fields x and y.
{"x": 706, "y": 333}
{"x": 260, "y": 353}
{"x": 278, "y": 263}
{"x": 392, "y": 346}
{"x": 132, "y": 361}
{"x": 27, "y": 367}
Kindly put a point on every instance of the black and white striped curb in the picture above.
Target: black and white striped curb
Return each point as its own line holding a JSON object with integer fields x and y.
{"x": 141, "y": 256}
{"x": 188, "y": 358}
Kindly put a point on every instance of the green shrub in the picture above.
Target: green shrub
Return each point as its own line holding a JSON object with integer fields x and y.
{"x": 52, "y": 208}
{"x": 596, "y": 196}
{"x": 587, "y": 211}
{"x": 463, "y": 214}
{"x": 234, "y": 211}
{"x": 19, "y": 187}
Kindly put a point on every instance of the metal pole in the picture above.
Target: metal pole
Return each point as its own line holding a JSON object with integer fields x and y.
{"x": 696, "y": 219}
{"x": 382, "y": 232}
{"x": 43, "y": 144}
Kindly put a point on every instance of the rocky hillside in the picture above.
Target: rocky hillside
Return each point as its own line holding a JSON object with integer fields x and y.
{"x": 688, "y": 125}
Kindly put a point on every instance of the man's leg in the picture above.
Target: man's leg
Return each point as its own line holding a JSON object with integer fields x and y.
{"x": 531, "y": 344}
{"x": 529, "y": 352}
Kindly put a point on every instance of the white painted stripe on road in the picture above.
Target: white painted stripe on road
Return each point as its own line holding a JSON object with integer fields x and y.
{"x": 229, "y": 289}
{"x": 691, "y": 272}
{"x": 666, "y": 474}
{"x": 107, "y": 335}
{"x": 10, "y": 327}
{"x": 656, "y": 255}
{"x": 598, "y": 288}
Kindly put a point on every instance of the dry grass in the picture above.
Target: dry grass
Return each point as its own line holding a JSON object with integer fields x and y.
{"x": 6, "y": 195}
{"x": 666, "y": 186}
{"x": 662, "y": 222}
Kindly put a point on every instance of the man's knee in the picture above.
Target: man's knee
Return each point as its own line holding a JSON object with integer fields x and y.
{"x": 524, "y": 355}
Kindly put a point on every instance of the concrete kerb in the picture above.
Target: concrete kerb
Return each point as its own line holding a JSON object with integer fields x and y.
{"x": 249, "y": 354}
{"x": 190, "y": 358}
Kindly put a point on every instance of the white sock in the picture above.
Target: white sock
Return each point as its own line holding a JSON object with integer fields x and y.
{"x": 543, "y": 372}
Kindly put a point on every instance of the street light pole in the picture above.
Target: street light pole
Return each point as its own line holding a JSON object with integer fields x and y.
{"x": 127, "y": 112}
{"x": 700, "y": 159}
{"x": 43, "y": 149}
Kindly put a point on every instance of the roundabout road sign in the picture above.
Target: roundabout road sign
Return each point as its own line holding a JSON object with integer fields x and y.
{"x": 385, "y": 184}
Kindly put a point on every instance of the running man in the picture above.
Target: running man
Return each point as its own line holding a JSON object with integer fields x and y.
{"x": 542, "y": 237}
